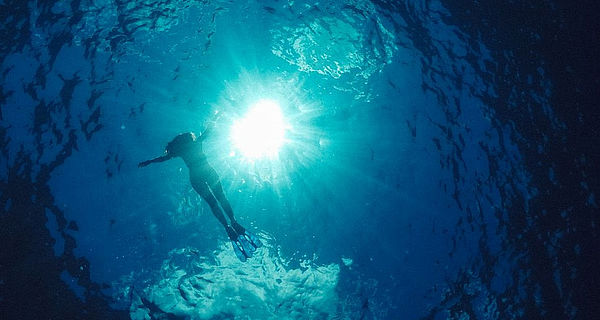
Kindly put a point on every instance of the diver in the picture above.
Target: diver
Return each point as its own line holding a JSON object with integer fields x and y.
{"x": 206, "y": 182}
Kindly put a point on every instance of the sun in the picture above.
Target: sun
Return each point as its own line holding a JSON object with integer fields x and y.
{"x": 261, "y": 132}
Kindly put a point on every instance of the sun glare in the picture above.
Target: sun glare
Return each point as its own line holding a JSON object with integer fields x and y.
{"x": 260, "y": 133}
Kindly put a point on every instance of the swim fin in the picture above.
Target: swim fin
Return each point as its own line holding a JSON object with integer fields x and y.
{"x": 254, "y": 240}
{"x": 247, "y": 236}
{"x": 238, "y": 248}
{"x": 239, "y": 251}
{"x": 244, "y": 243}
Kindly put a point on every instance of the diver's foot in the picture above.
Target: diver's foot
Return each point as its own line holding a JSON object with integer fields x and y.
{"x": 233, "y": 235}
{"x": 237, "y": 227}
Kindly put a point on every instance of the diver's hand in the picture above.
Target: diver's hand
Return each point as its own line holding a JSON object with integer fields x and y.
{"x": 143, "y": 163}
{"x": 208, "y": 127}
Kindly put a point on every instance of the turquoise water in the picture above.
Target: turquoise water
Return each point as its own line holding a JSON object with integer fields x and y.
{"x": 418, "y": 176}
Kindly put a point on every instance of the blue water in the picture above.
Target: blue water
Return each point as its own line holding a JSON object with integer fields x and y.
{"x": 440, "y": 160}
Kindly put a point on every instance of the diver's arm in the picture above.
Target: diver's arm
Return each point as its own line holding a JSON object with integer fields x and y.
{"x": 158, "y": 159}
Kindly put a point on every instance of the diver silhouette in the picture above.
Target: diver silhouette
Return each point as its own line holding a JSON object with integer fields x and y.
{"x": 206, "y": 182}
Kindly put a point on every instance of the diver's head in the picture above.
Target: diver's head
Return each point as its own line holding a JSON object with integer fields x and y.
{"x": 180, "y": 143}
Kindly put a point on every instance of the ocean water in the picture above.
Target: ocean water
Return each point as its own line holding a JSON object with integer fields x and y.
{"x": 439, "y": 159}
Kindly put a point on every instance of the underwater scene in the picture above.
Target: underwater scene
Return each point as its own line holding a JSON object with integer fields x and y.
{"x": 292, "y": 159}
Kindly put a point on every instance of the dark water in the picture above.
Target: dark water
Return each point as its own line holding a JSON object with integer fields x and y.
{"x": 441, "y": 159}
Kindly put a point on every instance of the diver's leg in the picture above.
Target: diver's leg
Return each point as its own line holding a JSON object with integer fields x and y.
{"x": 214, "y": 183}
{"x": 248, "y": 240}
{"x": 241, "y": 249}
{"x": 202, "y": 188}
{"x": 217, "y": 190}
